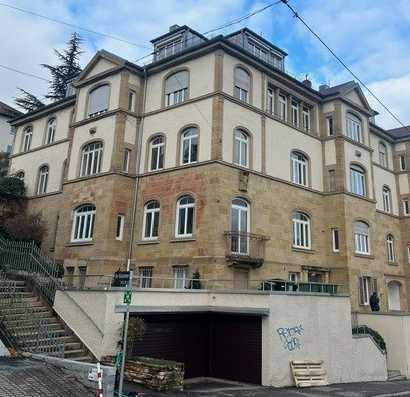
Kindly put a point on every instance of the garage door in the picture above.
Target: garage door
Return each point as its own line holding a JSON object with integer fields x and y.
{"x": 218, "y": 345}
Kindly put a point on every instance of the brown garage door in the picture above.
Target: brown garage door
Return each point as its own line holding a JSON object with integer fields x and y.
{"x": 219, "y": 345}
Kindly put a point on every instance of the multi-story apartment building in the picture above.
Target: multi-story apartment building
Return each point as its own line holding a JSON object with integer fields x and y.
{"x": 6, "y": 137}
{"x": 212, "y": 158}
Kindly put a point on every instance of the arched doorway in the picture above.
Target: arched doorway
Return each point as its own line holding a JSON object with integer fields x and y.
{"x": 393, "y": 289}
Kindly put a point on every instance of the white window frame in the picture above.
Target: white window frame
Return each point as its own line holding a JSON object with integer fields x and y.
{"x": 335, "y": 240}
{"x": 126, "y": 160}
{"x": 176, "y": 97}
{"x": 391, "y": 249}
{"x": 294, "y": 277}
{"x": 270, "y": 101}
{"x": 180, "y": 276}
{"x": 408, "y": 253}
{"x": 85, "y": 219}
{"x": 241, "y": 148}
{"x": 145, "y": 276}
{"x": 295, "y": 112}
{"x": 42, "y": 183}
{"x": 358, "y": 181}
{"x": 190, "y": 140}
{"x": 169, "y": 48}
{"x": 406, "y": 207}
{"x": 402, "y": 162}
{"x": 300, "y": 168}
{"x": 330, "y": 127}
{"x": 283, "y": 107}
{"x": 383, "y": 159}
{"x": 241, "y": 92}
{"x": 361, "y": 240}
{"x": 387, "y": 201}
{"x": 159, "y": 149}
{"x": 131, "y": 100}
{"x": 91, "y": 158}
{"x": 27, "y": 138}
{"x": 365, "y": 288}
{"x": 51, "y": 130}
{"x": 186, "y": 208}
{"x": 306, "y": 118}
{"x": 301, "y": 231}
{"x": 103, "y": 109}
{"x": 354, "y": 128}
{"x": 153, "y": 214}
{"x": 240, "y": 240}
{"x": 119, "y": 229}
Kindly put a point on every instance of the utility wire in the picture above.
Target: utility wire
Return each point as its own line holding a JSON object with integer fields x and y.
{"x": 24, "y": 73}
{"x": 340, "y": 60}
{"x": 71, "y": 25}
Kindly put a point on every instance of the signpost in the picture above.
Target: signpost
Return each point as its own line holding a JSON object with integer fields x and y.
{"x": 127, "y": 301}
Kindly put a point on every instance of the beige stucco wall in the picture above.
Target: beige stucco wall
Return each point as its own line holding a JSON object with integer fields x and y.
{"x": 374, "y": 144}
{"x": 395, "y": 330}
{"x": 325, "y": 334}
{"x": 101, "y": 66}
{"x": 330, "y": 152}
{"x": 382, "y": 178}
{"x": 365, "y": 122}
{"x": 404, "y": 184}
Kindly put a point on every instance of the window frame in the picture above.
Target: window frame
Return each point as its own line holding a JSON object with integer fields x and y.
{"x": 189, "y": 212}
{"x": 241, "y": 92}
{"x": 391, "y": 249}
{"x": 402, "y": 162}
{"x": 89, "y": 223}
{"x": 119, "y": 230}
{"x": 50, "y": 131}
{"x": 160, "y": 149}
{"x": 364, "y": 290}
{"x": 42, "y": 181}
{"x": 330, "y": 128}
{"x": 96, "y": 155}
{"x": 406, "y": 206}
{"x": 153, "y": 214}
{"x": 299, "y": 168}
{"x": 358, "y": 173}
{"x": 180, "y": 95}
{"x": 294, "y": 106}
{"x": 90, "y": 115}
{"x": 283, "y": 107}
{"x": 131, "y": 100}
{"x": 193, "y": 140}
{"x": 297, "y": 277}
{"x": 177, "y": 270}
{"x": 126, "y": 160}
{"x": 335, "y": 240}
{"x": 354, "y": 127}
{"x": 306, "y": 118}
{"x": 387, "y": 200}
{"x": 242, "y": 142}
{"x": 361, "y": 240}
{"x": 270, "y": 100}
{"x": 302, "y": 230}
{"x": 145, "y": 276}
{"x": 383, "y": 155}
{"x": 27, "y": 139}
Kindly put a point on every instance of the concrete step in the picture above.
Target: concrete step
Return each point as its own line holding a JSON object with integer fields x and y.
{"x": 29, "y": 316}
{"x": 67, "y": 340}
{"x": 26, "y": 333}
{"x": 22, "y": 309}
{"x": 17, "y": 293}
{"x": 74, "y": 353}
{"x": 27, "y": 322}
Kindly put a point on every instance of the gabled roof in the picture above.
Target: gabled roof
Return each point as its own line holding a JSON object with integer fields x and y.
{"x": 399, "y": 133}
{"x": 8, "y": 111}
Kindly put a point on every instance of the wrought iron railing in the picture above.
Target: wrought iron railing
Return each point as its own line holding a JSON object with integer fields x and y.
{"x": 245, "y": 247}
{"x": 26, "y": 260}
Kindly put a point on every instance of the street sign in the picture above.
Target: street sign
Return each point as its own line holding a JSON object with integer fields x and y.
{"x": 127, "y": 296}
{"x": 121, "y": 279}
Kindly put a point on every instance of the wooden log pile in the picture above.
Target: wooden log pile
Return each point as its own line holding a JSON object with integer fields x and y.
{"x": 158, "y": 375}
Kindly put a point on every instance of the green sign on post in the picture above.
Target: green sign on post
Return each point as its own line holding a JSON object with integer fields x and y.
{"x": 128, "y": 296}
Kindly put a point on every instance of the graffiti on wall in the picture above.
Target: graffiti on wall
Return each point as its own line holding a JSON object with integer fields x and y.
{"x": 290, "y": 337}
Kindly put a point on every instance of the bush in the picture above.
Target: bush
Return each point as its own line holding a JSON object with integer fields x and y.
{"x": 365, "y": 330}
{"x": 24, "y": 227}
{"x": 12, "y": 185}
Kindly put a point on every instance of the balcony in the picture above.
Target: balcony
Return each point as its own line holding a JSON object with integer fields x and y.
{"x": 245, "y": 249}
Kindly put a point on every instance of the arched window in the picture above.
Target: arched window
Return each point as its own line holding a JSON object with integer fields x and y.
{"x": 240, "y": 225}
{"x": 83, "y": 223}
{"x": 42, "y": 180}
{"x": 383, "y": 159}
{"x": 357, "y": 180}
{"x": 393, "y": 292}
{"x": 300, "y": 170}
{"x": 156, "y": 153}
{"x": 241, "y": 148}
{"x": 91, "y": 157}
{"x": 387, "y": 207}
{"x": 189, "y": 146}
{"x": 301, "y": 230}
{"x": 391, "y": 251}
{"x": 98, "y": 100}
{"x": 354, "y": 127}
{"x": 176, "y": 88}
{"x": 185, "y": 217}
{"x": 27, "y": 137}
{"x": 20, "y": 175}
{"x": 51, "y": 131}
{"x": 361, "y": 238}
{"x": 151, "y": 220}
{"x": 242, "y": 84}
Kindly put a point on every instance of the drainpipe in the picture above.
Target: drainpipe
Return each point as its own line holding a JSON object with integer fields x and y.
{"x": 138, "y": 166}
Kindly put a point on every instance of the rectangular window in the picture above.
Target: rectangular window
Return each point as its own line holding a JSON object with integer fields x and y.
{"x": 294, "y": 277}
{"x": 145, "y": 277}
{"x": 364, "y": 290}
{"x": 332, "y": 180}
{"x": 335, "y": 240}
{"x": 357, "y": 182}
{"x": 306, "y": 118}
{"x": 126, "y": 162}
{"x": 362, "y": 243}
{"x": 180, "y": 276}
{"x": 270, "y": 104}
{"x": 131, "y": 101}
{"x": 406, "y": 207}
{"x": 120, "y": 227}
{"x": 295, "y": 113}
{"x": 402, "y": 162}
{"x": 283, "y": 107}
{"x": 176, "y": 97}
{"x": 329, "y": 126}
{"x": 408, "y": 253}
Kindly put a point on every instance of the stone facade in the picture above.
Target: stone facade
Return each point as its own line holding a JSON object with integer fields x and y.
{"x": 122, "y": 187}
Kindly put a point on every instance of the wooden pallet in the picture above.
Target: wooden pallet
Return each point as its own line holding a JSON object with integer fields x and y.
{"x": 308, "y": 373}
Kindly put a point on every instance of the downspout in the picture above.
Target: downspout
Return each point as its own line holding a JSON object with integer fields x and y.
{"x": 138, "y": 165}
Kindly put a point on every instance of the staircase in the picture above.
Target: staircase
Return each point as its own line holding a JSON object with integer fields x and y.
{"x": 29, "y": 324}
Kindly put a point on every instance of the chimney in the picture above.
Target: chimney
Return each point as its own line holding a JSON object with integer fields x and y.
{"x": 323, "y": 87}
{"x": 173, "y": 27}
{"x": 307, "y": 82}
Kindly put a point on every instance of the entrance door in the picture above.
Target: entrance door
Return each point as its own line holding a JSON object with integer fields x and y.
{"x": 394, "y": 295}
{"x": 240, "y": 227}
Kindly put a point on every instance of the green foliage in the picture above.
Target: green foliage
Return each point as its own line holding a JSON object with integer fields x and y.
{"x": 23, "y": 227}
{"x": 196, "y": 281}
{"x": 365, "y": 330}
{"x": 28, "y": 101}
{"x": 12, "y": 185}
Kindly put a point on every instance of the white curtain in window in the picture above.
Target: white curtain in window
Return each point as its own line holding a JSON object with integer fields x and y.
{"x": 98, "y": 100}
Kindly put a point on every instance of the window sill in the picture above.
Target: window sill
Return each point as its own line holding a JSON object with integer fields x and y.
{"x": 182, "y": 239}
{"x": 79, "y": 243}
{"x": 148, "y": 242}
{"x": 303, "y": 250}
{"x": 393, "y": 263}
{"x": 365, "y": 256}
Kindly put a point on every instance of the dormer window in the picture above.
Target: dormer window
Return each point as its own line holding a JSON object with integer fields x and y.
{"x": 170, "y": 48}
{"x": 98, "y": 100}
{"x": 258, "y": 50}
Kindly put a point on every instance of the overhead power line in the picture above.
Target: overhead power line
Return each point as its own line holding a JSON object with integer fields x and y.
{"x": 72, "y": 25}
{"x": 340, "y": 60}
{"x": 24, "y": 73}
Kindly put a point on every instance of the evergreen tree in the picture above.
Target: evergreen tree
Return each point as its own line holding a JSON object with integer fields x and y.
{"x": 68, "y": 67}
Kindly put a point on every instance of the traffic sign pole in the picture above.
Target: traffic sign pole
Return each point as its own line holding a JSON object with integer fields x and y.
{"x": 127, "y": 294}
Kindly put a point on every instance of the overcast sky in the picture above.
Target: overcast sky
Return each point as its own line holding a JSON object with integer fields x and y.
{"x": 372, "y": 36}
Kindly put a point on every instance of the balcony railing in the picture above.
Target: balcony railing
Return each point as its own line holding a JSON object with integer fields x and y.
{"x": 245, "y": 248}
